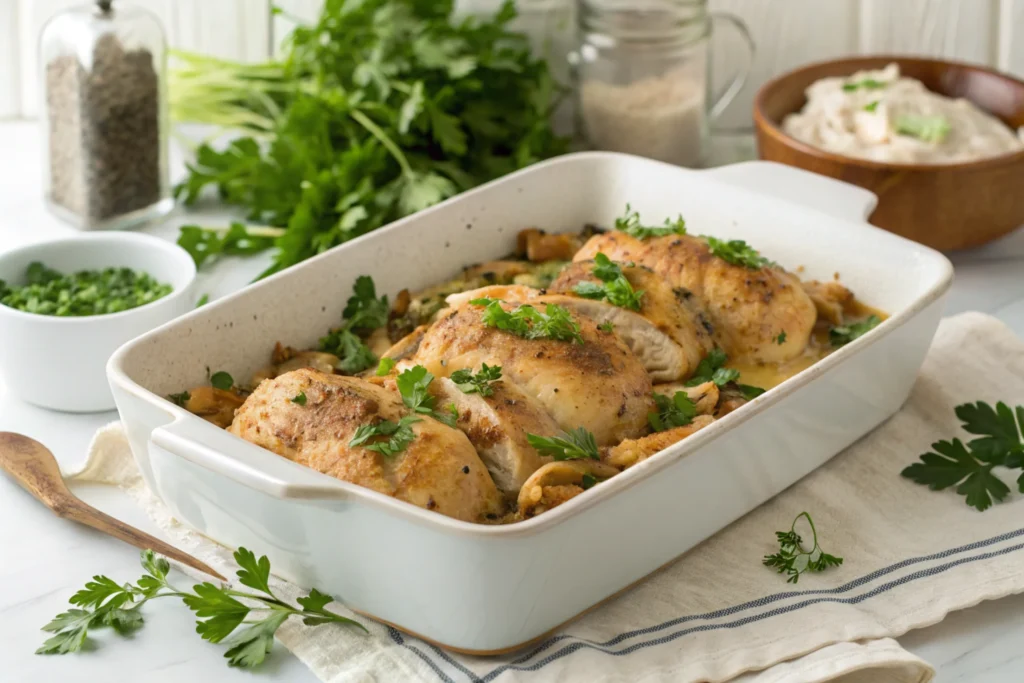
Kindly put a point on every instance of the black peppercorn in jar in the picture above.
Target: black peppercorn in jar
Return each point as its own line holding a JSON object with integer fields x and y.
{"x": 104, "y": 116}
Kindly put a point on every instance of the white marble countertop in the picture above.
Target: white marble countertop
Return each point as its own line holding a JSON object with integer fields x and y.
{"x": 44, "y": 560}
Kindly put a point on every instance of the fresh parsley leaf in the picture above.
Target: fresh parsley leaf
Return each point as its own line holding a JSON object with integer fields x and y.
{"x": 385, "y": 367}
{"x": 738, "y": 253}
{"x": 577, "y": 444}
{"x": 793, "y": 559}
{"x": 932, "y": 129}
{"x": 355, "y": 356}
{"x": 615, "y": 288}
{"x": 315, "y": 605}
{"x": 253, "y": 572}
{"x": 841, "y": 335}
{"x": 750, "y": 392}
{"x": 203, "y": 300}
{"x": 300, "y": 399}
{"x": 677, "y": 411}
{"x": 529, "y": 323}
{"x": 607, "y": 326}
{"x": 179, "y": 399}
{"x": 481, "y": 383}
{"x": 709, "y": 367}
{"x": 589, "y": 481}
{"x": 872, "y": 106}
{"x": 453, "y": 410}
{"x": 96, "y": 592}
{"x": 866, "y": 84}
{"x": 250, "y": 646}
{"x": 781, "y": 339}
{"x": 222, "y": 380}
{"x": 399, "y": 435}
{"x": 207, "y": 244}
{"x": 412, "y": 385}
{"x": 589, "y": 290}
{"x": 217, "y": 612}
{"x": 363, "y": 313}
{"x": 631, "y": 225}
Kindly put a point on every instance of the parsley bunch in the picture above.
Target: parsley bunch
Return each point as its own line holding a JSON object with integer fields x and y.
{"x": 529, "y": 323}
{"x": 969, "y": 466}
{"x": 577, "y": 444}
{"x": 793, "y": 559}
{"x": 247, "y": 628}
{"x": 633, "y": 226}
{"x": 615, "y": 288}
{"x": 379, "y": 109}
{"x": 363, "y": 313}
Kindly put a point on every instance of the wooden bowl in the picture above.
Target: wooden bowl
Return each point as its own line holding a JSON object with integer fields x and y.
{"x": 944, "y": 206}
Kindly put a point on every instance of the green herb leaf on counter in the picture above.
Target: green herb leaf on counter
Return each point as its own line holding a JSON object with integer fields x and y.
{"x": 481, "y": 383}
{"x": 349, "y": 135}
{"x": 529, "y": 323}
{"x": 300, "y": 399}
{"x": 363, "y": 313}
{"x": 794, "y": 559}
{"x": 631, "y": 224}
{"x": 866, "y": 84}
{"x": 969, "y": 467}
{"x": 932, "y": 129}
{"x": 222, "y": 380}
{"x": 615, "y": 288}
{"x": 399, "y": 436}
{"x": 677, "y": 411}
{"x": 577, "y": 444}
{"x": 219, "y": 612}
{"x": 841, "y": 335}
{"x": 738, "y": 253}
{"x": 872, "y": 106}
{"x": 84, "y": 293}
{"x": 385, "y": 367}
{"x": 179, "y": 399}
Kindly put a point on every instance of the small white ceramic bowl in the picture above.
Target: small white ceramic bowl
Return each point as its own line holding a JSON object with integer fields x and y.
{"x": 60, "y": 362}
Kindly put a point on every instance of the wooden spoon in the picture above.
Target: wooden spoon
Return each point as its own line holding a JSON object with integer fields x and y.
{"x": 33, "y": 466}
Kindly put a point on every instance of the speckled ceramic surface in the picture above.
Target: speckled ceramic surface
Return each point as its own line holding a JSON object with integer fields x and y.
{"x": 482, "y": 588}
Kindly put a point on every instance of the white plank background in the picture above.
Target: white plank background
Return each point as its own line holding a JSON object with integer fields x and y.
{"x": 788, "y": 33}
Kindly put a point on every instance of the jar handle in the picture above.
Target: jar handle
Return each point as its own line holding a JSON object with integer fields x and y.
{"x": 724, "y": 98}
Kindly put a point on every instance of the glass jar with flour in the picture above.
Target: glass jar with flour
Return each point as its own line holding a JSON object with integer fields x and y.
{"x": 642, "y": 74}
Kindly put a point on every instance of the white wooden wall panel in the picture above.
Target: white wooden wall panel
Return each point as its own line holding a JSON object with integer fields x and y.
{"x": 962, "y": 29}
{"x": 1011, "y": 37}
{"x": 10, "y": 69}
{"x": 227, "y": 28}
{"x": 788, "y": 33}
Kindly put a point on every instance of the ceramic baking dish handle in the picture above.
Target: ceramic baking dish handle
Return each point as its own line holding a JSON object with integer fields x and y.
{"x": 225, "y": 454}
{"x": 831, "y": 196}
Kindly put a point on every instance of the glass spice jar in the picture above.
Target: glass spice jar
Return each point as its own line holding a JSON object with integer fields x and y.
{"x": 642, "y": 76}
{"x": 104, "y": 115}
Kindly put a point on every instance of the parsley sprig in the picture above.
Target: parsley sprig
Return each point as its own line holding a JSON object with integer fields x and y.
{"x": 794, "y": 559}
{"x": 246, "y": 628}
{"x": 413, "y": 385}
{"x": 969, "y": 466}
{"x": 631, "y": 224}
{"x": 527, "y": 322}
{"x": 397, "y": 435}
{"x": 841, "y": 335}
{"x": 712, "y": 369}
{"x": 576, "y": 444}
{"x": 363, "y": 313}
{"x": 614, "y": 287}
{"x": 481, "y": 383}
{"x": 677, "y": 411}
{"x": 738, "y": 253}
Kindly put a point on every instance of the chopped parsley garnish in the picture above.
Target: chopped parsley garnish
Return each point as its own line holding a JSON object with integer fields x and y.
{"x": 577, "y": 444}
{"x": 363, "y": 313}
{"x": 529, "y": 323}
{"x": 677, "y": 411}
{"x": 969, "y": 466}
{"x": 631, "y": 225}
{"x": 222, "y": 380}
{"x": 712, "y": 369}
{"x": 607, "y": 326}
{"x": 203, "y": 300}
{"x": 793, "y": 559}
{"x": 738, "y": 253}
{"x": 85, "y": 293}
{"x": 398, "y": 434}
{"x": 453, "y": 410}
{"x": 412, "y": 385}
{"x": 180, "y": 399}
{"x": 866, "y": 84}
{"x": 481, "y": 383}
{"x": 932, "y": 129}
{"x": 872, "y": 106}
{"x": 615, "y": 288}
{"x": 841, "y": 335}
{"x": 385, "y": 367}
{"x": 300, "y": 399}
{"x": 749, "y": 392}
{"x": 781, "y": 339}
{"x": 589, "y": 481}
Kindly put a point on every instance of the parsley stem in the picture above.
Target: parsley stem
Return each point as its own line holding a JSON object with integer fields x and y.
{"x": 814, "y": 532}
{"x": 376, "y": 131}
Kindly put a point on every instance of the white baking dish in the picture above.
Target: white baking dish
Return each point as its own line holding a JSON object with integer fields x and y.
{"x": 487, "y": 589}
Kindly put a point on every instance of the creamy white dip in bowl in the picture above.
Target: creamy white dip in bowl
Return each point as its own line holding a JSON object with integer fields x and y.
{"x": 936, "y": 140}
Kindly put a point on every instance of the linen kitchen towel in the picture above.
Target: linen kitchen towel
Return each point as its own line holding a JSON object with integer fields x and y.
{"x": 716, "y": 614}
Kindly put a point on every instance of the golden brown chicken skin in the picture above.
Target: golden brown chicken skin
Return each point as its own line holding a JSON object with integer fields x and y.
{"x": 749, "y": 308}
{"x": 438, "y": 470}
{"x": 598, "y": 385}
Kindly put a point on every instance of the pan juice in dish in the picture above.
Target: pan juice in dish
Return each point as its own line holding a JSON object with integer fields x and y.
{"x": 523, "y": 382}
